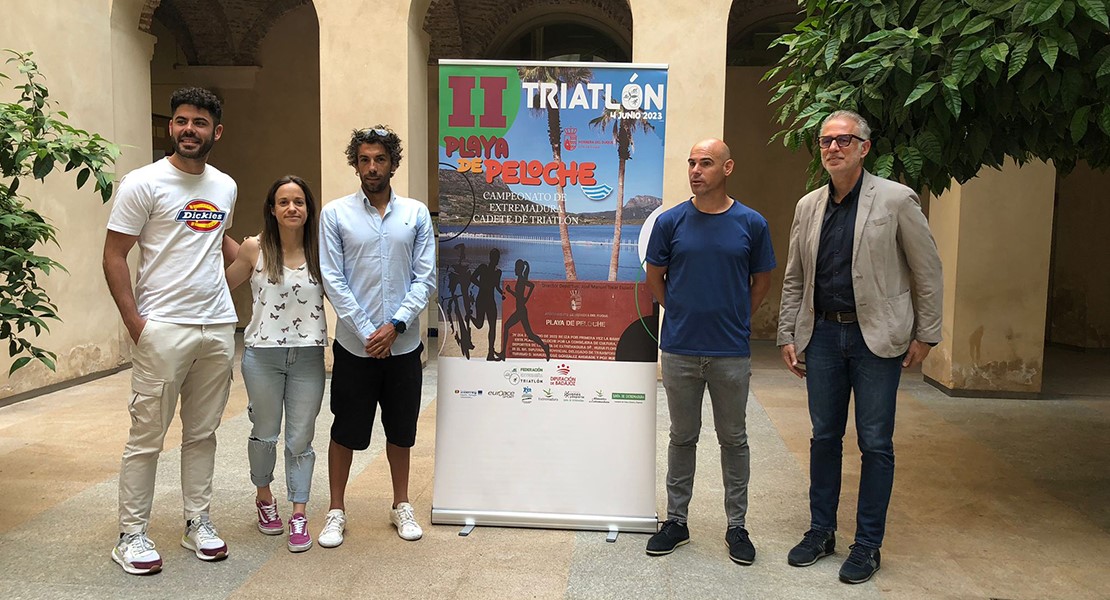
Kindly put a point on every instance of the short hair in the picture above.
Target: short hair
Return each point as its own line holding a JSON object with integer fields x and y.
{"x": 864, "y": 128}
{"x": 378, "y": 134}
{"x": 200, "y": 98}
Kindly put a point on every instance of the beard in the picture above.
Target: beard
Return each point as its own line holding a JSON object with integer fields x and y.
{"x": 373, "y": 187}
{"x": 202, "y": 150}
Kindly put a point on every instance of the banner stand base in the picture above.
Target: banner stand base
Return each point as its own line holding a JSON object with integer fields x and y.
{"x": 466, "y": 530}
{"x": 490, "y": 518}
{"x": 613, "y": 533}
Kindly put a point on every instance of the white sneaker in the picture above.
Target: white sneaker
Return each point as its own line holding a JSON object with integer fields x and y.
{"x": 136, "y": 554}
{"x": 201, "y": 537}
{"x": 405, "y": 522}
{"x": 334, "y": 524}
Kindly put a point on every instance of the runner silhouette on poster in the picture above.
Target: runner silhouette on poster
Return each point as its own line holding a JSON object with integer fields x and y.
{"x": 460, "y": 313}
{"x": 521, "y": 292}
{"x": 488, "y": 279}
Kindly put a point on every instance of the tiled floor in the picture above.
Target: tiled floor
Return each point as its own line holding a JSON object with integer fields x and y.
{"x": 993, "y": 498}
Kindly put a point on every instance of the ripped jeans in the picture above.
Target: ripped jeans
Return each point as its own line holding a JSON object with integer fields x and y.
{"x": 289, "y": 380}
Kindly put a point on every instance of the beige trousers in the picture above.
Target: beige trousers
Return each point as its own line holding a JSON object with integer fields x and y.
{"x": 193, "y": 361}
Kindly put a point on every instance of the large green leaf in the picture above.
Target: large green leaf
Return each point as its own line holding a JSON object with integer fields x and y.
{"x": 884, "y": 166}
{"x": 1066, "y": 14}
{"x": 930, "y": 147}
{"x": 19, "y": 363}
{"x": 1096, "y": 10}
{"x": 1065, "y": 40}
{"x": 832, "y": 48}
{"x": 1049, "y": 49}
{"x": 959, "y": 63}
{"x": 912, "y": 159}
{"x": 878, "y": 15}
{"x": 977, "y": 24}
{"x": 43, "y": 166}
{"x": 997, "y": 8}
{"x": 999, "y": 51}
{"x": 952, "y": 98}
{"x": 1019, "y": 56}
{"x": 1039, "y": 11}
{"x": 1104, "y": 68}
{"x": 919, "y": 91}
{"x": 928, "y": 13}
{"x": 955, "y": 19}
{"x": 1079, "y": 123}
{"x": 1104, "y": 119}
{"x": 859, "y": 59}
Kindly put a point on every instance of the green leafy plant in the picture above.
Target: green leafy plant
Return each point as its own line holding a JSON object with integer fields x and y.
{"x": 949, "y": 86}
{"x": 34, "y": 141}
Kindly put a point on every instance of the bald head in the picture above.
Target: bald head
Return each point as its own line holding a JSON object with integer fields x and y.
{"x": 709, "y": 164}
{"x": 714, "y": 146}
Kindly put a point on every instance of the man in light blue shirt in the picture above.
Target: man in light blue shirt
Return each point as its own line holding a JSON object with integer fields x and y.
{"x": 377, "y": 258}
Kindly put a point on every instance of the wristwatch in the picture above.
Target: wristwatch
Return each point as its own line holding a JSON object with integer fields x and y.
{"x": 398, "y": 325}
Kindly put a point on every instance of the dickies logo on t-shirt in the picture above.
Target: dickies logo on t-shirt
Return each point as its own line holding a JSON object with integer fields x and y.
{"x": 201, "y": 215}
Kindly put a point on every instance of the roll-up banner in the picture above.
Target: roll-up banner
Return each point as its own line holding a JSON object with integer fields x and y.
{"x": 547, "y": 363}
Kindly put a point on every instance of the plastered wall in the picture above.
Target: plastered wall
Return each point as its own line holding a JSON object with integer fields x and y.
{"x": 91, "y": 85}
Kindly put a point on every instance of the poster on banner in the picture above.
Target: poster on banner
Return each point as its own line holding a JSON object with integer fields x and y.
{"x": 547, "y": 172}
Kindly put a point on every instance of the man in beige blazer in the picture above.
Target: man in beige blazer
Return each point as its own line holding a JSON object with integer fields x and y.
{"x": 861, "y": 297}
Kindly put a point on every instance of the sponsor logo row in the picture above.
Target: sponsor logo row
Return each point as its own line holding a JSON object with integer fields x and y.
{"x": 528, "y": 394}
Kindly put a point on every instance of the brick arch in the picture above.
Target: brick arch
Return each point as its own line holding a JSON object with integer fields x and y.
{"x": 146, "y": 16}
{"x": 249, "y": 44}
{"x": 217, "y": 32}
{"x": 475, "y": 28}
{"x": 746, "y": 14}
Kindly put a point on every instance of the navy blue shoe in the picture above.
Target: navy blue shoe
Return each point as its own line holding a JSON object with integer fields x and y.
{"x": 862, "y": 563}
{"x": 814, "y": 545}
{"x": 740, "y": 548}
{"x": 671, "y": 535}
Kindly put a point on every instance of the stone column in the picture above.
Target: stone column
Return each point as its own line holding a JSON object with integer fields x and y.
{"x": 373, "y": 69}
{"x": 994, "y": 234}
{"x": 132, "y": 50}
{"x": 693, "y": 44}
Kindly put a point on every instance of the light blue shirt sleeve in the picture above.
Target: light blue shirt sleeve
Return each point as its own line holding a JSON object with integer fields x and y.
{"x": 423, "y": 270}
{"x": 347, "y": 308}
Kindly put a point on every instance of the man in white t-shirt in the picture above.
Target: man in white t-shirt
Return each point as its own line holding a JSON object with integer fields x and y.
{"x": 182, "y": 322}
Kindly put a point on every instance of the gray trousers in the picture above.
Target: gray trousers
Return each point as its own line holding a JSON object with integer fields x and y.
{"x": 685, "y": 379}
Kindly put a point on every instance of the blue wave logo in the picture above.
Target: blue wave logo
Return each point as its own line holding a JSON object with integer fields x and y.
{"x": 596, "y": 192}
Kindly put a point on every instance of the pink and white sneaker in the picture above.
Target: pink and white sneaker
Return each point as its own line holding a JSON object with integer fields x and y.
{"x": 136, "y": 554}
{"x": 299, "y": 538}
{"x": 269, "y": 522}
{"x": 202, "y": 538}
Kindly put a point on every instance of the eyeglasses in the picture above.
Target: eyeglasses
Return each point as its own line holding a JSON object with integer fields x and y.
{"x": 377, "y": 131}
{"x": 842, "y": 141}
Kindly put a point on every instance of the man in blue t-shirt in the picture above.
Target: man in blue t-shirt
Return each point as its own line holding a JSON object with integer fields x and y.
{"x": 709, "y": 262}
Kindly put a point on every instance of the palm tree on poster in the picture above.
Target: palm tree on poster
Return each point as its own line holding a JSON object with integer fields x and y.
{"x": 623, "y": 129}
{"x": 571, "y": 76}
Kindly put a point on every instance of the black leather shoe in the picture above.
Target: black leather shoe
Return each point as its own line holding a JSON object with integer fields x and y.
{"x": 671, "y": 535}
{"x": 814, "y": 545}
{"x": 862, "y": 563}
{"x": 740, "y": 548}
